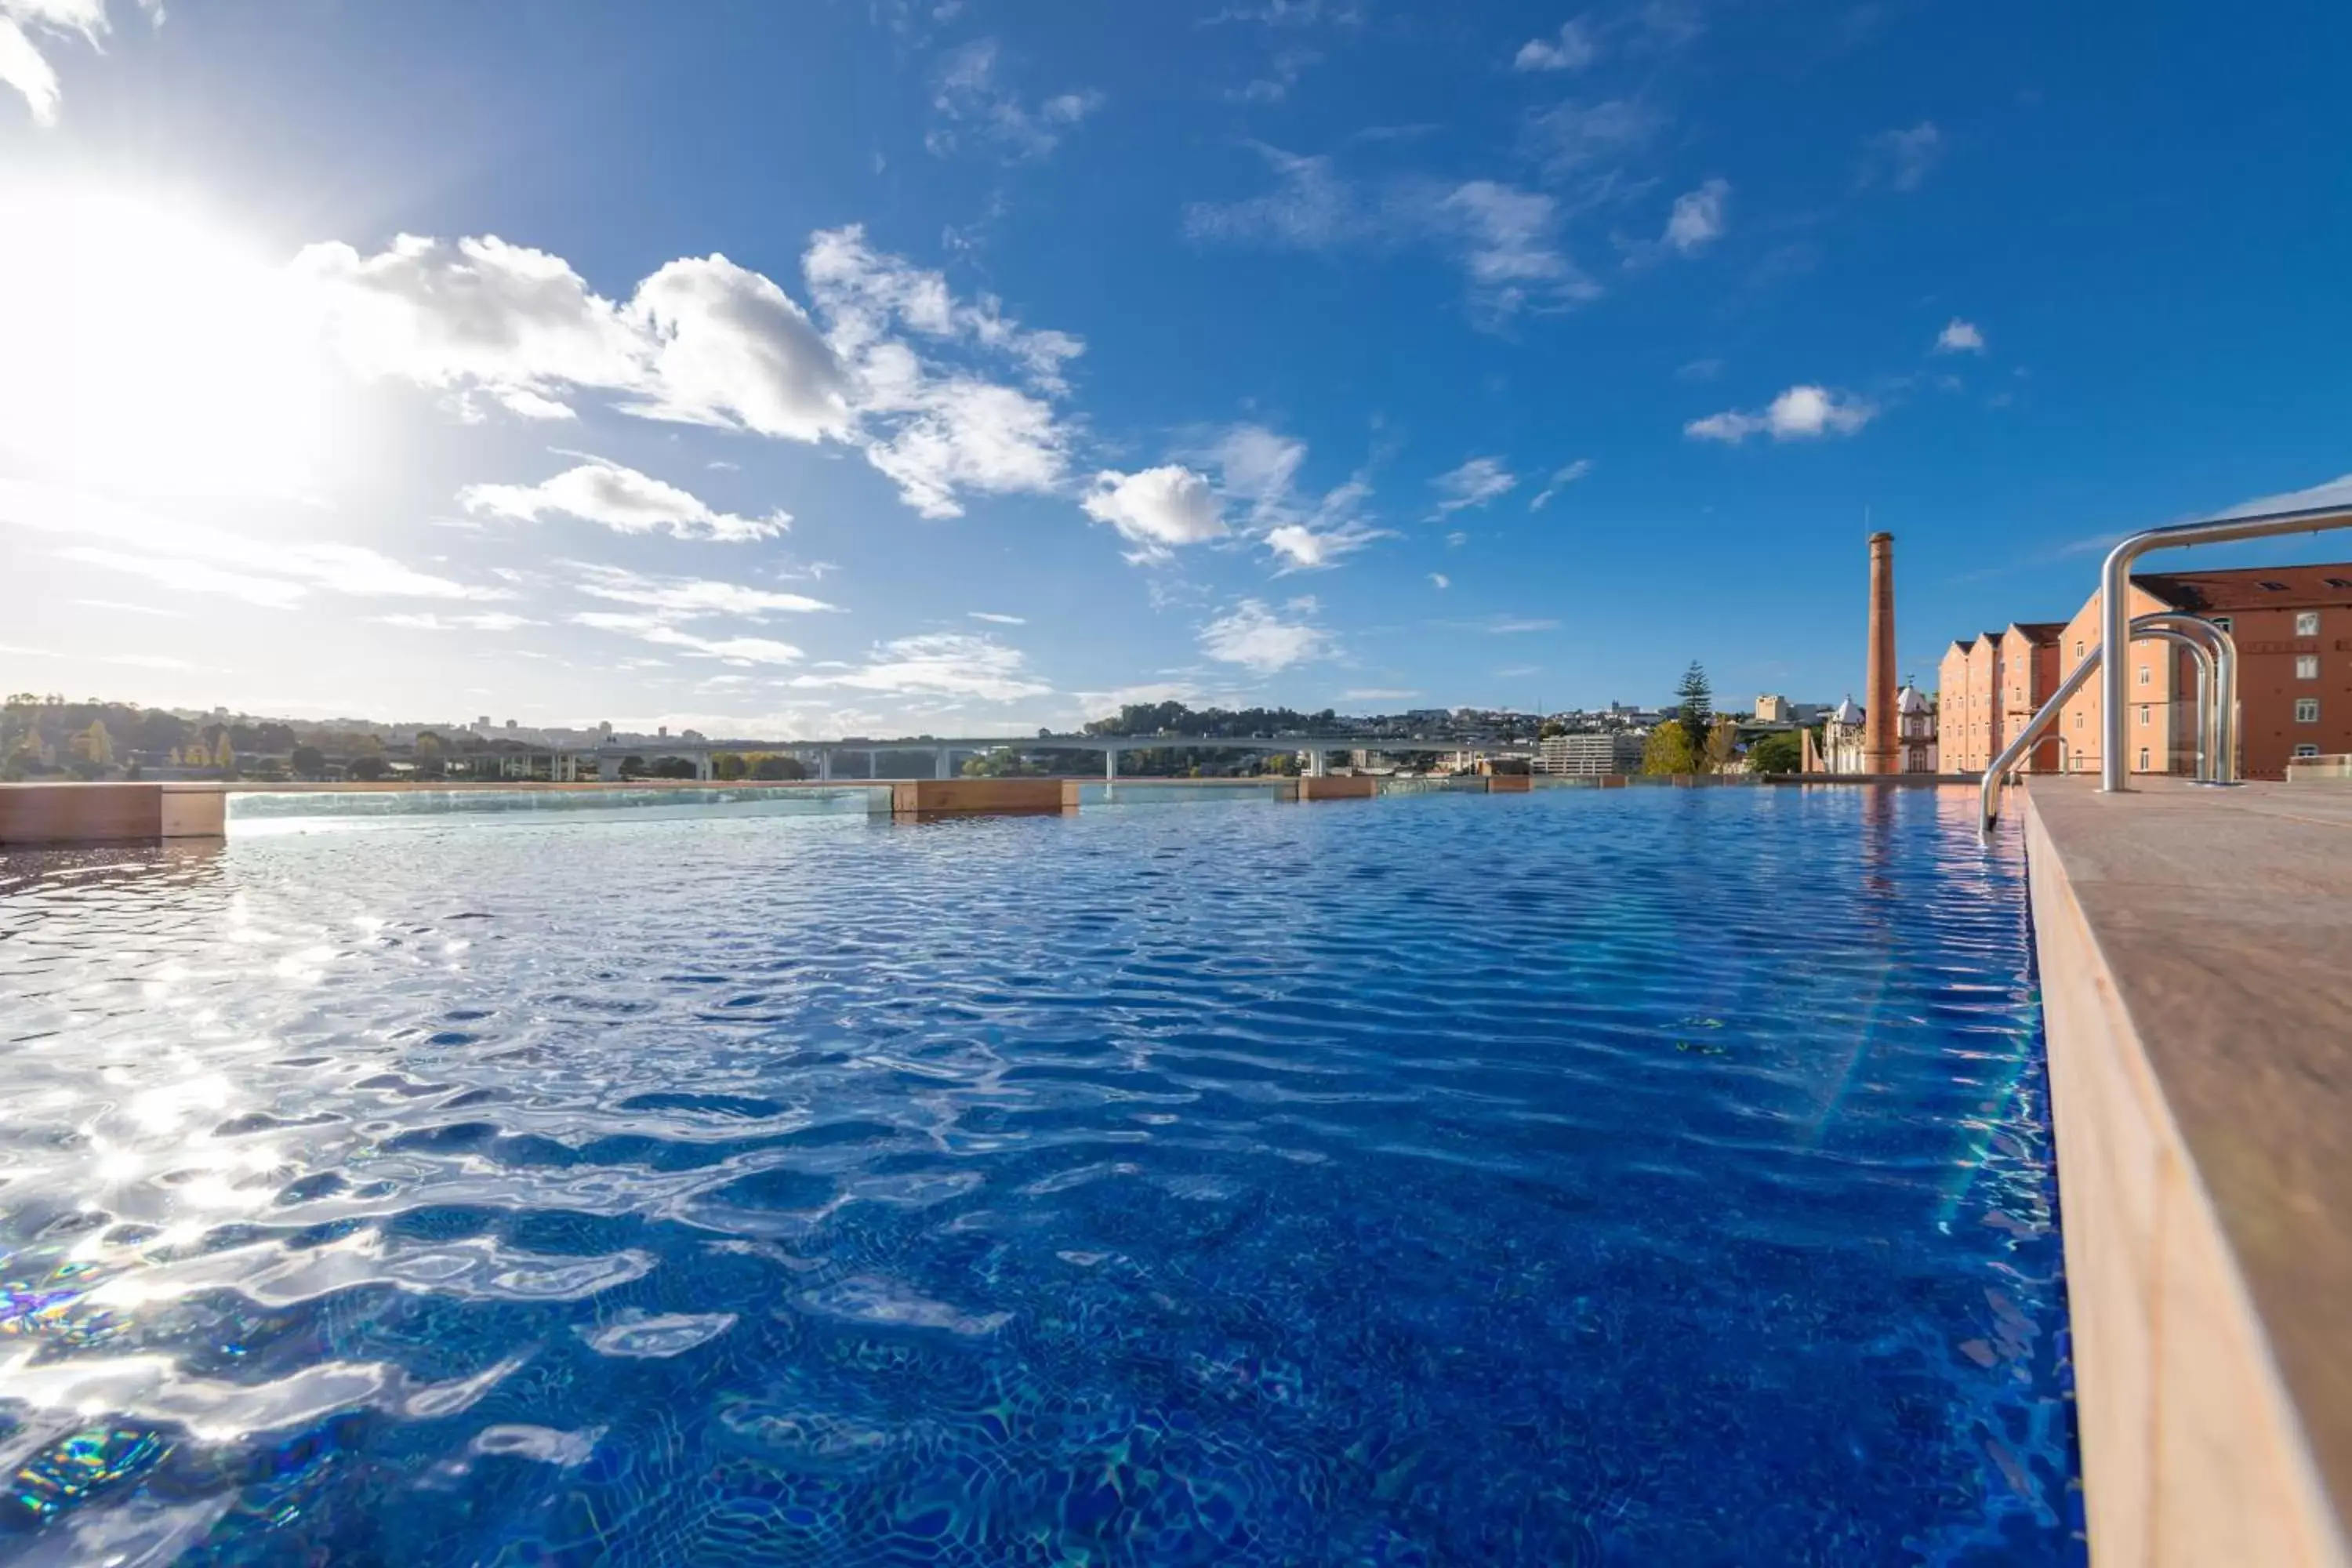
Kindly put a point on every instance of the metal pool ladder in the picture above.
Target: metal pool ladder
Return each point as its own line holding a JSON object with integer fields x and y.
{"x": 2219, "y": 703}
{"x": 2217, "y": 699}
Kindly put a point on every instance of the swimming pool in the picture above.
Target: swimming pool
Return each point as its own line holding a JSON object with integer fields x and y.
{"x": 1643, "y": 1176}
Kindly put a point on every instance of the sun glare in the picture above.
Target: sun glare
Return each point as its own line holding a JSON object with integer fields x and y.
{"x": 147, "y": 348}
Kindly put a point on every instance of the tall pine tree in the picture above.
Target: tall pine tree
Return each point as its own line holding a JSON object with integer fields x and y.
{"x": 1694, "y": 704}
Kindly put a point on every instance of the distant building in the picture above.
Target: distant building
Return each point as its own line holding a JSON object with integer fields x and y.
{"x": 1841, "y": 749}
{"x": 1845, "y": 738}
{"x": 2292, "y": 627}
{"x": 1915, "y": 730}
{"x": 1589, "y": 755}
{"x": 1987, "y": 687}
{"x": 1771, "y": 709}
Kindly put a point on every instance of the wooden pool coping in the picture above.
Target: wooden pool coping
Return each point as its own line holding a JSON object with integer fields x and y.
{"x": 2195, "y": 948}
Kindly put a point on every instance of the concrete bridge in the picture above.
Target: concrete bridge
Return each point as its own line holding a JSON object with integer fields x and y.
{"x": 608, "y": 757}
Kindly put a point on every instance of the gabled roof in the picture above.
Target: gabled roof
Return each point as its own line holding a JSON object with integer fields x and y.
{"x": 2251, "y": 588}
{"x": 2039, "y": 633}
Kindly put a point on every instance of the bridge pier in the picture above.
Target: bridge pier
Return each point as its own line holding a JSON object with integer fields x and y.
{"x": 608, "y": 769}
{"x": 703, "y": 772}
{"x": 824, "y": 765}
{"x": 941, "y": 769}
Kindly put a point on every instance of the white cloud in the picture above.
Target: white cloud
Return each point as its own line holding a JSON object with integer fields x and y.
{"x": 730, "y": 349}
{"x": 1473, "y": 485}
{"x": 966, "y": 434}
{"x": 194, "y": 576}
{"x": 1590, "y": 140}
{"x": 206, "y": 559}
{"x": 22, "y": 65}
{"x": 2334, "y": 493}
{"x": 1302, "y": 547}
{"x": 1254, "y": 635}
{"x": 131, "y": 609}
{"x": 657, "y": 629}
{"x": 1158, "y": 509}
{"x": 1802, "y": 412}
{"x": 1571, "y": 50}
{"x": 865, "y": 292}
{"x": 1560, "y": 479}
{"x": 1311, "y": 209}
{"x": 1258, "y": 469}
{"x": 973, "y": 99}
{"x": 1440, "y": 580}
{"x": 479, "y": 314}
{"x": 686, "y": 597}
{"x": 1698, "y": 219}
{"x": 941, "y": 663}
{"x": 705, "y": 342}
{"x": 1506, "y": 239}
{"x": 936, "y": 430}
{"x": 1902, "y": 158}
{"x": 487, "y": 621}
{"x": 1959, "y": 337}
{"x": 1000, "y": 620}
{"x": 621, "y": 499}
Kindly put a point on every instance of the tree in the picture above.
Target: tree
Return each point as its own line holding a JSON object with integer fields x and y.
{"x": 308, "y": 762}
{"x": 672, "y": 768}
{"x": 1722, "y": 745}
{"x": 367, "y": 768}
{"x": 1780, "y": 753}
{"x": 1694, "y": 703}
{"x": 1669, "y": 750}
{"x": 1551, "y": 727}
{"x": 730, "y": 765}
{"x": 431, "y": 761}
{"x": 772, "y": 767}
{"x": 161, "y": 732}
{"x": 224, "y": 756}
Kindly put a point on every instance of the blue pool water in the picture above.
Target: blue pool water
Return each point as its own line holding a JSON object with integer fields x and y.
{"x": 1630, "y": 1177}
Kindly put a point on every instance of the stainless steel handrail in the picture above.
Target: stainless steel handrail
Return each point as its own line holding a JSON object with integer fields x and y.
{"x": 2115, "y": 608}
{"x": 2208, "y": 715}
{"x": 2224, "y": 768}
{"x": 1997, "y": 773}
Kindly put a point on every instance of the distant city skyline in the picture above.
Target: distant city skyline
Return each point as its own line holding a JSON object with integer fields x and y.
{"x": 904, "y": 367}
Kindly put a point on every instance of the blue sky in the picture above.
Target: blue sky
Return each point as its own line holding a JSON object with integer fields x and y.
{"x": 816, "y": 369}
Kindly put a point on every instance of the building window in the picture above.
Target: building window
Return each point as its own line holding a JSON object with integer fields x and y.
{"x": 2306, "y": 667}
{"x": 2306, "y": 749}
{"x": 2222, "y": 621}
{"x": 2307, "y": 710}
{"x": 2143, "y": 759}
{"x": 2306, "y": 622}
{"x": 2144, "y": 673}
{"x": 2078, "y": 721}
{"x": 2078, "y": 647}
{"x": 2143, "y": 712}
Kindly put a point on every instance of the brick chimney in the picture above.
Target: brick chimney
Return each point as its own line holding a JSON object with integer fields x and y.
{"x": 1882, "y": 751}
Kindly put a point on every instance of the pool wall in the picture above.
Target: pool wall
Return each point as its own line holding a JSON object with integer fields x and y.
{"x": 2193, "y": 1450}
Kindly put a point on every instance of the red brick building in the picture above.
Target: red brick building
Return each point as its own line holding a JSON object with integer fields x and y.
{"x": 1991, "y": 686}
{"x": 2292, "y": 626}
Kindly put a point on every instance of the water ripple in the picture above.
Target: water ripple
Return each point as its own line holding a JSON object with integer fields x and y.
{"x": 1641, "y": 1178}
